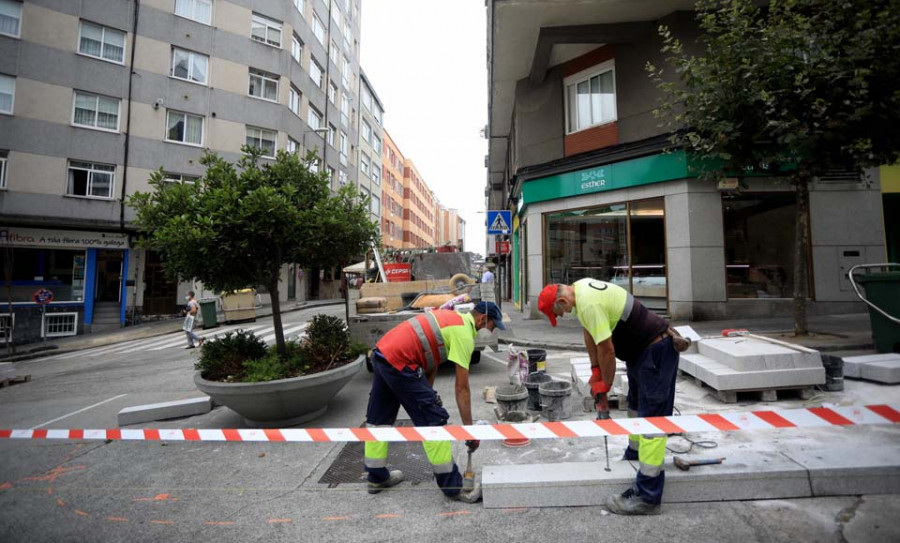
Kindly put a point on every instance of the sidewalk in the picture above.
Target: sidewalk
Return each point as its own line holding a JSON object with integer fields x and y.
{"x": 828, "y": 333}
{"x": 141, "y": 331}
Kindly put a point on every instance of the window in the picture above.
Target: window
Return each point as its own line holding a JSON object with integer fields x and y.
{"x": 336, "y": 15}
{"x": 102, "y": 42}
{"x": 6, "y": 325}
{"x": 334, "y": 54}
{"x": 343, "y": 148}
{"x": 591, "y": 99}
{"x": 367, "y": 98}
{"x": 345, "y": 109}
{"x": 332, "y": 175}
{"x": 180, "y": 178}
{"x": 294, "y": 100}
{"x": 377, "y": 113}
{"x": 292, "y": 145}
{"x": 345, "y": 72}
{"x": 318, "y": 29}
{"x": 313, "y": 117}
{"x": 59, "y": 324}
{"x": 95, "y": 111}
{"x": 315, "y": 72}
{"x": 376, "y": 173}
{"x": 263, "y": 85}
{"x": 299, "y": 4}
{"x": 189, "y": 65}
{"x": 92, "y": 180}
{"x": 10, "y": 17}
{"x": 7, "y": 93}
{"x": 265, "y": 30}
{"x": 4, "y": 157}
{"x": 342, "y": 178}
{"x": 332, "y": 92}
{"x": 184, "y": 128}
{"x": 364, "y": 163}
{"x": 198, "y": 10}
{"x": 296, "y": 48}
{"x": 376, "y": 143}
{"x": 366, "y": 132}
{"x": 375, "y": 205}
{"x": 263, "y": 140}
{"x": 331, "y": 132}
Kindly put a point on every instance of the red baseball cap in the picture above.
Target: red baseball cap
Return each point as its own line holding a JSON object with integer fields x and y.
{"x": 546, "y": 300}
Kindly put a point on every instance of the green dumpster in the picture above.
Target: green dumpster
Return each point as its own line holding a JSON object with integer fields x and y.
{"x": 883, "y": 290}
{"x": 208, "y": 313}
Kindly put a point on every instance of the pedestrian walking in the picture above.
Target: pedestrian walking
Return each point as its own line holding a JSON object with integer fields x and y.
{"x": 405, "y": 363}
{"x": 618, "y": 325}
{"x": 488, "y": 276}
{"x": 190, "y": 315}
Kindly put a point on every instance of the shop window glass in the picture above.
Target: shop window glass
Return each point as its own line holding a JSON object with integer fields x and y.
{"x": 59, "y": 270}
{"x": 759, "y": 244}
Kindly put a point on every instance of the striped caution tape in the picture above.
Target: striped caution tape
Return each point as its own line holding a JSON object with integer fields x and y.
{"x": 815, "y": 417}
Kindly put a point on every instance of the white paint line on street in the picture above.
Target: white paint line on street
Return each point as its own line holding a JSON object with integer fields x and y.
{"x": 287, "y": 332}
{"x": 493, "y": 356}
{"x": 76, "y": 412}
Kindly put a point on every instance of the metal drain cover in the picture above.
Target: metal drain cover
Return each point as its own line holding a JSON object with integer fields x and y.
{"x": 348, "y": 468}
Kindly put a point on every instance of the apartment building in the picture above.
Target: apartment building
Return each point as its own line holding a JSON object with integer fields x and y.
{"x": 449, "y": 227}
{"x": 419, "y": 206}
{"x": 576, "y": 154}
{"x": 94, "y": 96}
{"x": 370, "y": 145}
{"x": 391, "y": 194}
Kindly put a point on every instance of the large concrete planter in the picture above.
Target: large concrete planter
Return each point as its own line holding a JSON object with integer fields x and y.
{"x": 284, "y": 402}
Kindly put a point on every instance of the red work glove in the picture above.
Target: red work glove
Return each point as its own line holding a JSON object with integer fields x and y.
{"x": 598, "y": 386}
{"x": 473, "y": 444}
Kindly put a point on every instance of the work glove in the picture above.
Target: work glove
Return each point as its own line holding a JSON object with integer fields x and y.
{"x": 598, "y": 386}
{"x": 473, "y": 444}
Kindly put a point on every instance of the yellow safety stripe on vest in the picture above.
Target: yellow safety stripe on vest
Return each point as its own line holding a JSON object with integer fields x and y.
{"x": 440, "y": 454}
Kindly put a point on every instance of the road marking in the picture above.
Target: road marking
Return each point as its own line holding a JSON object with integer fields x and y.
{"x": 79, "y": 411}
{"x": 279, "y": 520}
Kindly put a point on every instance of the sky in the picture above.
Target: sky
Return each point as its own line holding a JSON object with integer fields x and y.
{"x": 426, "y": 62}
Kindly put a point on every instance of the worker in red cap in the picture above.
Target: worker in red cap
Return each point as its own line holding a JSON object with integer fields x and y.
{"x": 405, "y": 363}
{"x": 617, "y": 324}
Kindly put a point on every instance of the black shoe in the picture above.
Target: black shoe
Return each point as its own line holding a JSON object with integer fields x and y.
{"x": 190, "y": 347}
{"x": 395, "y": 478}
{"x": 629, "y": 503}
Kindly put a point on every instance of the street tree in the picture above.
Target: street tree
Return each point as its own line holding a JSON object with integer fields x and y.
{"x": 236, "y": 227}
{"x": 792, "y": 88}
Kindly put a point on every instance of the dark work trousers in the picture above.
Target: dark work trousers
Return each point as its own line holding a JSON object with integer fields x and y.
{"x": 651, "y": 393}
{"x": 410, "y": 388}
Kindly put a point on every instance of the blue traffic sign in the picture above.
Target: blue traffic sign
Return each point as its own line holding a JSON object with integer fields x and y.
{"x": 499, "y": 222}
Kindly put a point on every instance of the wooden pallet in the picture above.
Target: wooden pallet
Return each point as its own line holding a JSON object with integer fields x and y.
{"x": 15, "y": 380}
{"x": 764, "y": 395}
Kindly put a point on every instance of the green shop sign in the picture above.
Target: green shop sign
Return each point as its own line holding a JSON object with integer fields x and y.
{"x": 630, "y": 173}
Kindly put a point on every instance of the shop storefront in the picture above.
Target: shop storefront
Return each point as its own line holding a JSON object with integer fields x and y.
{"x": 687, "y": 247}
{"x": 82, "y": 272}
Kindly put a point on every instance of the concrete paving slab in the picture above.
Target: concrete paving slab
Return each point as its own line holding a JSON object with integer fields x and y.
{"x": 751, "y": 354}
{"x": 847, "y": 471}
{"x": 165, "y": 410}
{"x": 763, "y": 475}
{"x": 722, "y": 377}
{"x": 885, "y": 371}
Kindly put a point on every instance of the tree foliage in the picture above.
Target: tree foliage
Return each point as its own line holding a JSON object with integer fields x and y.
{"x": 793, "y": 87}
{"x": 236, "y": 226}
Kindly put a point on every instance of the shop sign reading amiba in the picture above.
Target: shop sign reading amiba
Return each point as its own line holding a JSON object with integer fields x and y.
{"x": 619, "y": 175}
{"x": 35, "y": 237}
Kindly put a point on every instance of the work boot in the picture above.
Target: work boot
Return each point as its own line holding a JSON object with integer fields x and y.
{"x": 629, "y": 503}
{"x": 469, "y": 496}
{"x": 395, "y": 478}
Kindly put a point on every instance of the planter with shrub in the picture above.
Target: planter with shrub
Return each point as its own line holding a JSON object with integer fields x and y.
{"x": 268, "y": 390}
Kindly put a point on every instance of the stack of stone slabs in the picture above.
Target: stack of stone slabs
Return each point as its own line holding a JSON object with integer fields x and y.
{"x": 735, "y": 364}
{"x": 581, "y": 375}
{"x": 881, "y": 368}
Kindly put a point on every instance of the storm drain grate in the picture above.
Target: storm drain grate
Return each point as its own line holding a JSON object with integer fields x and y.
{"x": 408, "y": 457}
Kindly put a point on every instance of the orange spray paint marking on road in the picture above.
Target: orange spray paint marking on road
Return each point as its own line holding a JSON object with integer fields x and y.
{"x": 60, "y": 503}
{"x": 157, "y": 498}
{"x": 53, "y": 474}
{"x": 454, "y": 513}
{"x": 82, "y": 513}
{"x": 6, "y": 486}
{"x": 117, "y": 519}
{"x": 219, "y": 523}
{"x": 161, "y": 522}
{"x": 280, "y": 520}
{"x": 335, "y": 518}
{"x": 388, "y": 516}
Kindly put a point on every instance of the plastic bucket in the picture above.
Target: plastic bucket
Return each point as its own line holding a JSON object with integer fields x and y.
{"x": 532, "y": 382}
{"x": 537, "y": 360}
{"x": 556, "y": 400}
{"x": 511, "y": 398}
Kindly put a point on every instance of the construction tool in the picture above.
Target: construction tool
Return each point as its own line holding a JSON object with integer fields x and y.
{"x": 469, "y": 476}
{"x": 602, "y": 404}
{"x": 685, "y": 465}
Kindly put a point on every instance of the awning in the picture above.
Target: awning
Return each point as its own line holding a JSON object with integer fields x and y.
{"x": 359, "y": 267}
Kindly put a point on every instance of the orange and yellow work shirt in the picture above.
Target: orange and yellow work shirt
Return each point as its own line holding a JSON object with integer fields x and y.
{"x": 402, "y": 348}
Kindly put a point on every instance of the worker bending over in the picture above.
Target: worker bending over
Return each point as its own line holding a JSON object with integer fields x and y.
{"x": 405, "y": 362}
{"x": 616, "y": 324}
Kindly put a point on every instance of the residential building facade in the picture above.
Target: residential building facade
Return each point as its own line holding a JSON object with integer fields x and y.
{"x": 392, "y": 161}
{"x": 371, "y": 117}
{"x": 577, "y": 155}
{"x": 94, "y": 96}
{"x": 419, "y": 206}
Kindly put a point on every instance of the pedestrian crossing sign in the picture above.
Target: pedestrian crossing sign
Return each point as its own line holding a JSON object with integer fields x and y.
{"x": 498, "y": 222}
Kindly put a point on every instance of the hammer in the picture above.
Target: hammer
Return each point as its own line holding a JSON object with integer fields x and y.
{"x": 685, "y": 465}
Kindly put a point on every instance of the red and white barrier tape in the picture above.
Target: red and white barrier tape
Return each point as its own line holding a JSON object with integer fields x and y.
{"x": 752, "y": 420}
